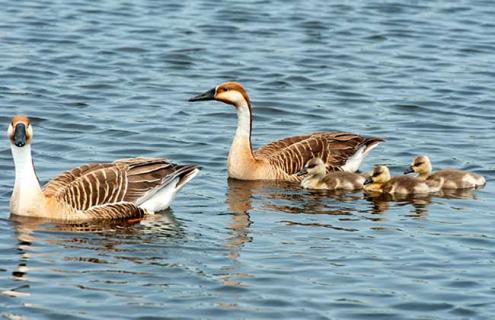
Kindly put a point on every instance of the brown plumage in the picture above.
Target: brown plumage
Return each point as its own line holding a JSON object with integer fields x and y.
{"x": 127, "y": 188}
{"x": 282, "y": 159}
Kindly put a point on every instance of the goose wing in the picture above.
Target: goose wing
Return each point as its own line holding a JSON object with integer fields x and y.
{"x": 125, "y": 210}
{"x": 123, "y": 181}
{"x": 334, "y": 148}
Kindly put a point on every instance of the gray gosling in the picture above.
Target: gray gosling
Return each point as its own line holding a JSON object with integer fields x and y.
{"x": 452, "y": 178}
{"x": 381, "y": 181}
{"x": 316, "y": 177}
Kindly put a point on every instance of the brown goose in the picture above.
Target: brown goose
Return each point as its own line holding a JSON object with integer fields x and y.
{"x": 128, "y": 188}
{"x": 452, "y": 178}
{"x": 381, "y": 181}
{"x": 316, "y": 177}
{"x": 281, "y": 160}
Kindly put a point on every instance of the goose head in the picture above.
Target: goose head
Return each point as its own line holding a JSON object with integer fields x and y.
{"x": 20, "y": 131}
{"x": 313, "y": 167}
{"x": 228, "y": 92}
{"x": 379, "y": 174}
{"x": 420, "y": 165}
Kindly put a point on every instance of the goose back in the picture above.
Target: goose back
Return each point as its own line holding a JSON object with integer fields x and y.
{"x": 405, "y": 185}
{"x": 334, "y": 148}
{"x": 123, "y": 181}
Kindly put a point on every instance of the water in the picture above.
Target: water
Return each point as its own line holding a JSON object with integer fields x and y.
{"x": 110, "y": 79}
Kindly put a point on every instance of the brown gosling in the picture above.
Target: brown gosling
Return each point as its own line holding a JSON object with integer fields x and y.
{"x": 381, "y": 181}
{"x": 282, "y": 159}
{"x": 452, "y": 178}
{"x": 316, "y": 177}
{"x": 123, "y": 189}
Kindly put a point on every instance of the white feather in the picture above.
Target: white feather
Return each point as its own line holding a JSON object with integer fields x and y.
{"x": 354, "y": 162}
{"x": 162, "y": 199}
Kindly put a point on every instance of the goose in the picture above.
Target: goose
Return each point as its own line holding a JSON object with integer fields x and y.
{"x": 452, "y": 178}
{"x": 316, "y": 177}
{"x": 123, "y": 189}
{"x": 282, "y": 159}
{"x": 381, "y": 181}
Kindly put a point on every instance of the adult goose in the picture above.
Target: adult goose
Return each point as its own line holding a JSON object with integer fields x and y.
{"x": 127, "y": 188}
{"x": 283, "y": 159}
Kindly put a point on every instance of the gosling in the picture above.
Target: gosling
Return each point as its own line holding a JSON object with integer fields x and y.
{"x": 452, "y": 178}
{"x": 317, "y": 177}
{"x": 381, "y": 181}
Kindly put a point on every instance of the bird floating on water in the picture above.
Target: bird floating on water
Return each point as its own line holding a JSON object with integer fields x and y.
{"x": 316, "y": 177}
{"x": 127, "y": 188}
{"x": 452, "y": 178}
{"x": 283, "y": 159}
{"x": 381, "y": 181}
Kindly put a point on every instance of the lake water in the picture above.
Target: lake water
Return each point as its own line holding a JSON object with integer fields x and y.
{"x": 110, "y": 79}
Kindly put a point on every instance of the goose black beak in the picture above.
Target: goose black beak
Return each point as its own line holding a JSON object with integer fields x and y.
{"x": 302, "y": 172}
{"x": 409, "y": 170}
{"x": 20, "y": 135}
{"x": 368, "y": 181}
{"x": 208, "y": 95}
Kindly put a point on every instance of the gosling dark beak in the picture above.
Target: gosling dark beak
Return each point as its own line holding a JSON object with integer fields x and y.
{"x": 20, "y": 135}
{"x": 302, "y": 172}
{"x": 409, "y": 170}
{"x": 208, "y": 95}
{"x": 368, "y": 181}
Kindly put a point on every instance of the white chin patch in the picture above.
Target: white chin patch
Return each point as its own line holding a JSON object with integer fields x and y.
{"x": 233, "y": 96}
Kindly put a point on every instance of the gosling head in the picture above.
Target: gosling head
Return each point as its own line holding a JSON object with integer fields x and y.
{"x": 420, "y": 165}
{"x": 20, "y": 131}
{"x": 228, "y": 92}
{"x": 379, "y": 174}
{"x": 313, "y": 167}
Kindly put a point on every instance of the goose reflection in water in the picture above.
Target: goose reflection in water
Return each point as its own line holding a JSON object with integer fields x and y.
{"x": 420, "y": 202}
{"x": 82, "y": 236}
{"x": 245, "y": 197}
{"x": 381, "y": 202}
{"x": 284, "y": 197}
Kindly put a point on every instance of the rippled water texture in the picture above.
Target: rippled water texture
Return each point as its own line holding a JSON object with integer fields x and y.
{"x": 110, "y": 79}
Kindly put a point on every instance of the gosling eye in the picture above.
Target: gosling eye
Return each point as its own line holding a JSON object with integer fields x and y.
{"x": 418, "y": 164}
{"x": 376, "y": 174}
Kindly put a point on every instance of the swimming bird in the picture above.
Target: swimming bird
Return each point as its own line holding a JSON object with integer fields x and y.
{"x": 316, "y": 177}
{"x": 452, "y": 178}
{"x": 127, "y": 188}
{"x": 381, "y": 181}
{"x": 282, "y": 159}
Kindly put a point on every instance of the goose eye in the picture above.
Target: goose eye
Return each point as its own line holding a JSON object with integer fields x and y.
{"x": 418, "y": 164}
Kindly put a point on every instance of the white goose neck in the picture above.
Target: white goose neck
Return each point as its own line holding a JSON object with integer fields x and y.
{"x": 27, "y": 190}
{"x": 243, "y": 121}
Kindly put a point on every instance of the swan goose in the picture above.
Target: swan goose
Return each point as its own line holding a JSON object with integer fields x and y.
{"x": 452, "y": 178}
{"x": 282, "y": 159}
{"x": 381, "y": 181}
{"x": 127, "y": 188}
{"x": 316, "y": 177}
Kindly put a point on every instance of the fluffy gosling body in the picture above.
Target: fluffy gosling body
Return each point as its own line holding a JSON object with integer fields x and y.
{"x": 452, "y": 178}
{"x": 381, "y": 181}
{"x": 316, "y": 177}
